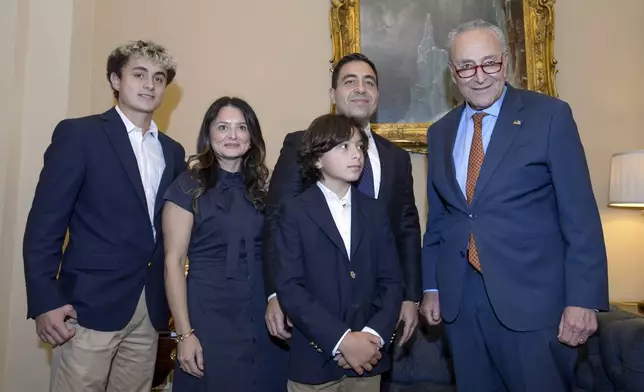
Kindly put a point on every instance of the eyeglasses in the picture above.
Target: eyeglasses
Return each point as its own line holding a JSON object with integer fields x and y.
{"x": 470, "y": 70}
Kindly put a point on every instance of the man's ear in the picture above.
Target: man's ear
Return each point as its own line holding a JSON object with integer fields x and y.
{"x": 332, "y": 96}
{"x": 115, "y": 81}
{"x": 452, "y": 73}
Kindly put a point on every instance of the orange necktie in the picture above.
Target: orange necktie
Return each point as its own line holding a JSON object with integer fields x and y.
{"x": 473, "y": 168}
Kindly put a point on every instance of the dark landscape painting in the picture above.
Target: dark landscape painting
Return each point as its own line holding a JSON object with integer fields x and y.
{"x": 407, "y": 41}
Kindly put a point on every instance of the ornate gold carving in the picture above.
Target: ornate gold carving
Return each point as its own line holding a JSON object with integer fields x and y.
{"x": 539, "y": 24}
{"x": 541, "y": 65}
{"x": 345, "y": 27}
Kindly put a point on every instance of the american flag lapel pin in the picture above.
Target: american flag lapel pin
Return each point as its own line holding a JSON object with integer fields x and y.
{"x": 516, "y": 122}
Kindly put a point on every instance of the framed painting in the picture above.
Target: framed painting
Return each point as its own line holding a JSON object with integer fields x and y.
{"x": 406, "y": 39}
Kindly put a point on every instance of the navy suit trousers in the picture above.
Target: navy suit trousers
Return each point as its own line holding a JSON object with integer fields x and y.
{"x": 489, "y": 357}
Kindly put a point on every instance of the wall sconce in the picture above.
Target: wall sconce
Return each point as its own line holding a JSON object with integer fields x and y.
{"x": 627, "y": 180}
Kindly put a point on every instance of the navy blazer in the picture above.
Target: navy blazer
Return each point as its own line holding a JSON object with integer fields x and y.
{"x": 324, "y": 293}
{"x": 534, "y": 216}
{"x": 396, "y": 195}
{"x": 90, "y": 184}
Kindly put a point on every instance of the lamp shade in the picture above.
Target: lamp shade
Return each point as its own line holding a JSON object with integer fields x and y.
{"x": 627, "y": 180}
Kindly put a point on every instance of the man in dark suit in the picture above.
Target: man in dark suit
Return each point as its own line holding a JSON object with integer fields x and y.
{"x": 339, "y": 278}
{"x": 514, "y": 242}
{"x": 103, "y": 179}
{"x": 386, "y": 177}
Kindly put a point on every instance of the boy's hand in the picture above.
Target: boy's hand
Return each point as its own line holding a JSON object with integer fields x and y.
{"x": 358, "y": 349}
{"x": 51, "y": 327}
{"x": 342, "y": 362}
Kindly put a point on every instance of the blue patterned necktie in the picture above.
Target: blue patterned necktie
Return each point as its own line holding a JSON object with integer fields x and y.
{"x": 366, "y": 184}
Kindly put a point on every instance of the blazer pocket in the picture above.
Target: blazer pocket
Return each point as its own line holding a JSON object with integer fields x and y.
{"x": 539, "y": 239}
{"x": 94, "y": 262}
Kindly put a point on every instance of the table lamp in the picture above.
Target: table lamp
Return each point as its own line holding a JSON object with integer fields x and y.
{"x": 627, "y": 184}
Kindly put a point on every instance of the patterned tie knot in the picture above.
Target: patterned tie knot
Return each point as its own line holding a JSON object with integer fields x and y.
{"x": 478, "y": 117}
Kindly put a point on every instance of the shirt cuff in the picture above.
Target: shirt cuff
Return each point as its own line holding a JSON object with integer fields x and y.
{"x": 371, "y": 331}
{"x": 337, "y": 346}
{"x": 271, "y": 296}
{"x": 428, "y": 290}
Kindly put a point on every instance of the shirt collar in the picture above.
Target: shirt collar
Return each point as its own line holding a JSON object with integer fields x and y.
{"x": 129, "y": 126}
{"x": 367, "y": 130}
{"x": 493, "y": 110}
{"x": 329, "y": 195}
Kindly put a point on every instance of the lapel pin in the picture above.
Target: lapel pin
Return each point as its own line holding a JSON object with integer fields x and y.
{"x": 516, "y": 122}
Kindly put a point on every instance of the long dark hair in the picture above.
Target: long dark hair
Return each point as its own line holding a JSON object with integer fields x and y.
{"x": 204, "y": 164}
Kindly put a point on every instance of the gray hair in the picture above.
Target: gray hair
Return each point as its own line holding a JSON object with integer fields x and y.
{"x": 476, "y": 25}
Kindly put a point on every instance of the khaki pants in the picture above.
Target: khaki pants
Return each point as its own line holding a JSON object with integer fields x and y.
{"x": 346, "y": 384}
{"x": 97, "y": 361}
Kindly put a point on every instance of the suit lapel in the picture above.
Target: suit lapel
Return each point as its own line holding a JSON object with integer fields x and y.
{"x": 166, "y": 178}
{"x": 505, "y": 130}
{"x": 357, "y": 227}
{"x": 317, "y": 208}
{"x": 386, "y": 168}
{"x": 451, "y": 127}
{"x": 117, "y": 134}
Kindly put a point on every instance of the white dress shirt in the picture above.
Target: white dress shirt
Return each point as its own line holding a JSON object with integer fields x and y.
{"x": 149, "y": 158}
{"x": 374, "y": 157}
{"x": 341, "y": 212}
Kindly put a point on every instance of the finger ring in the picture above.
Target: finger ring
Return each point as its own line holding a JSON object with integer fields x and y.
{"x": 581, "y": 340}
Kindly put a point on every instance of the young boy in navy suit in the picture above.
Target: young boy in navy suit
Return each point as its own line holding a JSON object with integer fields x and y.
{"x": 339, "y": 279}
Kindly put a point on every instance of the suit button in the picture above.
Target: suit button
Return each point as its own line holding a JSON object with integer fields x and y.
{"x": 473, "y": 216}
{"x": 149, "y": 264}
{"x": 352, "y": 274}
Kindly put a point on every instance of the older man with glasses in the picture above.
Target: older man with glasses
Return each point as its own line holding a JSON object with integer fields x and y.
{"x": 514, "y": 245}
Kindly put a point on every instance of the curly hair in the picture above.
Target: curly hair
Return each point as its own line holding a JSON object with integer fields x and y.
{"x": 203, "y": 165}
{"x": 143, "y": 49}
{"x": 324, "y": 133}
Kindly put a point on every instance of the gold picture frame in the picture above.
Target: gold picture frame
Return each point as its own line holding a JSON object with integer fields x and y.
{"x": 540, "y": 63}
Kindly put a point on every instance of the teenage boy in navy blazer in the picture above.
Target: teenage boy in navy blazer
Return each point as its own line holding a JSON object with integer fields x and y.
{"x": 103, "y": 179}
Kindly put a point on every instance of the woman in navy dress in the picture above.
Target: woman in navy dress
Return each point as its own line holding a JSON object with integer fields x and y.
{"x": 213, "y": 216}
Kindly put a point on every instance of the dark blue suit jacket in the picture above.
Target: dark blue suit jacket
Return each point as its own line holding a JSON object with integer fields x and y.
{"x": 534, "y": 217}
{"x": 90, "y": 184}
{"x": 396, "y": 195}
{"x": 323, "y": 292}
